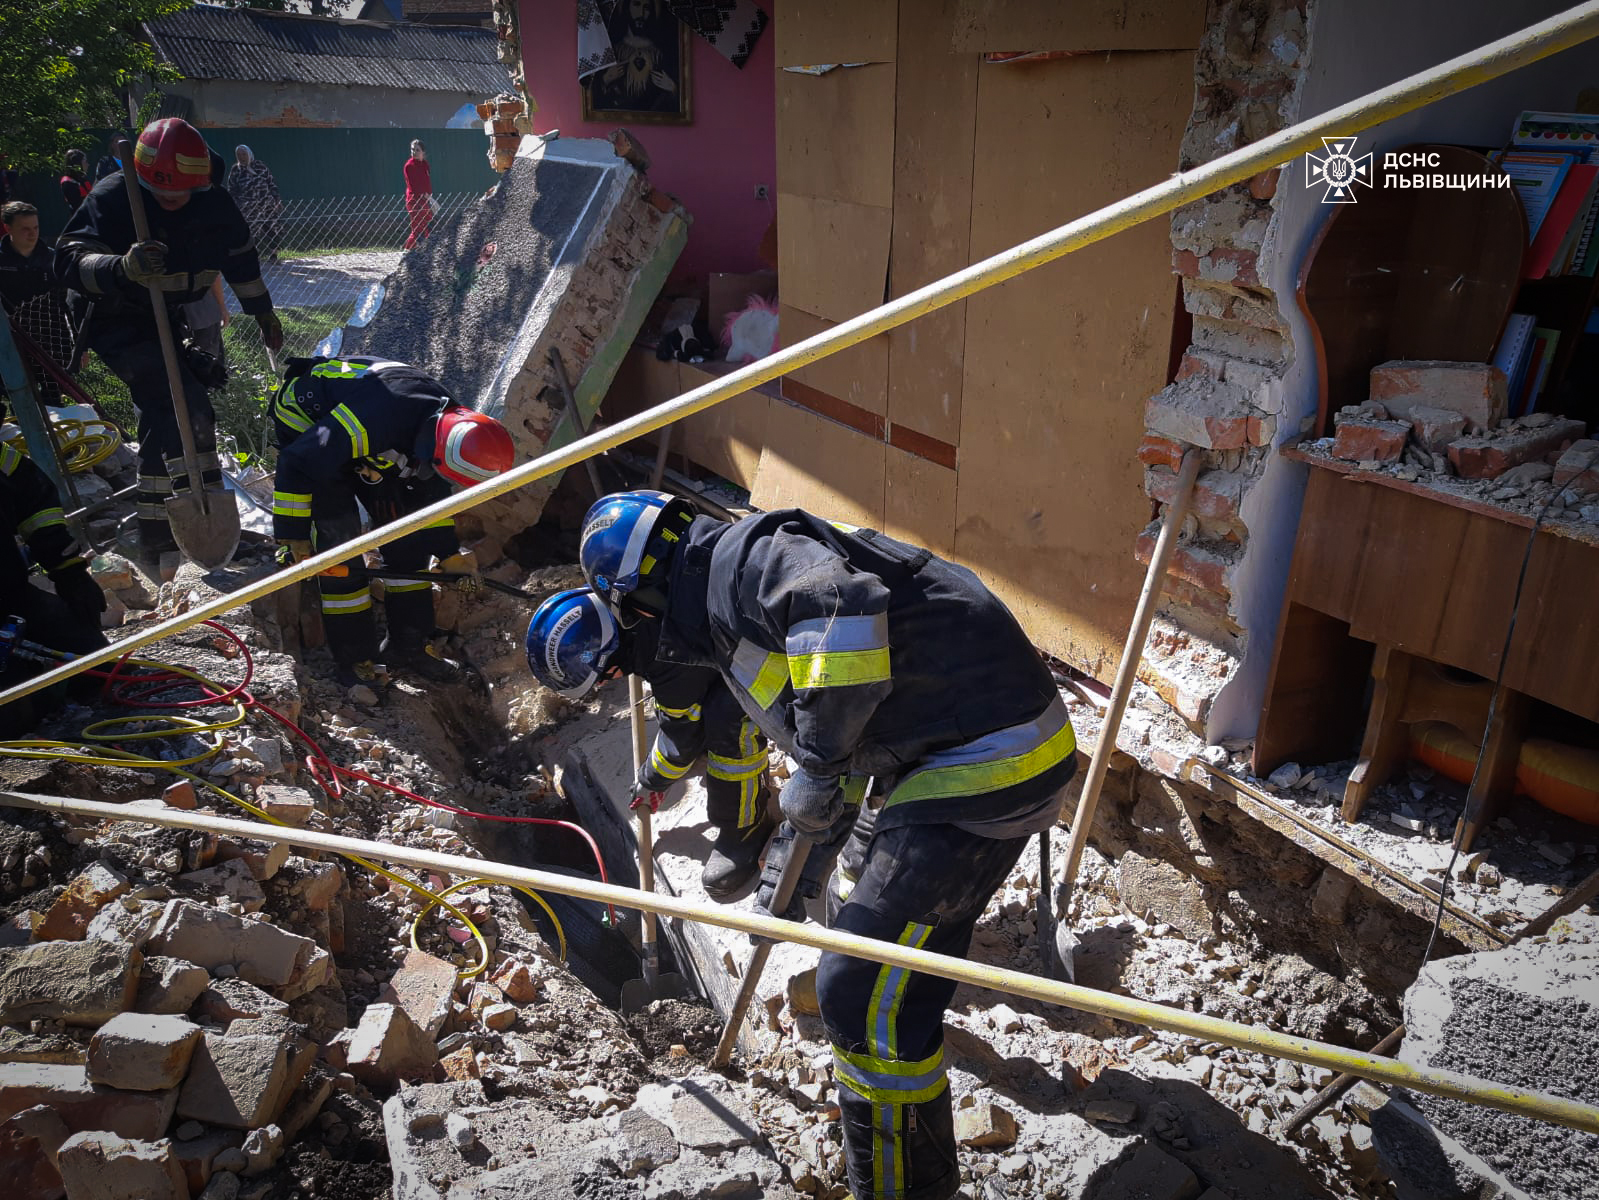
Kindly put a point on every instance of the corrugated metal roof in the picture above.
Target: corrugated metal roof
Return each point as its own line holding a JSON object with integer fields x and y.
{"x": 206, "y": 42}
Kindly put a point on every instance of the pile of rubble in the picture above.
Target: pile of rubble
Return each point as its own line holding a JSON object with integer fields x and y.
{"x": 1443, "y": 425}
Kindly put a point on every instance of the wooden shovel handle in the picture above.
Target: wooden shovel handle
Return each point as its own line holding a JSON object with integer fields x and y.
{"x": 163, "y": 328}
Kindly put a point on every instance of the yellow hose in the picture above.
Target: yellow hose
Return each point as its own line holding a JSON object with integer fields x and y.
{"x": 83, "y": 445}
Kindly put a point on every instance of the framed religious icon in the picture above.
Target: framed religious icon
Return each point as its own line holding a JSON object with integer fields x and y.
{"x": 649, "y": 81}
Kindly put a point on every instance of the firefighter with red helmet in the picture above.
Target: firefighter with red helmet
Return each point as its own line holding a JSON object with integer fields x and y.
{"x": 196, "y": 233}
{"x": 388, "y": 436}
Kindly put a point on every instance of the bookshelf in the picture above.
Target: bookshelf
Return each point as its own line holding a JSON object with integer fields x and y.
{"x": 1562, "y": 304}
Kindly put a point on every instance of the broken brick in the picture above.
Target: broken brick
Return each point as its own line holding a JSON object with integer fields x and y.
{"x": 1200, "y": 412}
{"x": 142, "y": 1053}
{"x": 104, "y": 1166}
{"x": 1491, "y": 456}
{"x": 1156, "y": 451}
{"x": 1365, "y": 439}
{"x": 1216, "y": 494}
{"x": 387, "y": 1047}
{"x": 1435, "y": 428}
{"x": 517, "y": 982}
{"x": 179, "y": 795}
{"x": 422, "y": 987}
{"x": 985, "y": 1126}
{"x": 460, "y": 1065}
{"x": 1198, "y": 564}
{"x": 83, "y": 898}
{"x": 1474, "y": 390}
{"x": 1579, "y": 466}
{"x": 291, "y": 805}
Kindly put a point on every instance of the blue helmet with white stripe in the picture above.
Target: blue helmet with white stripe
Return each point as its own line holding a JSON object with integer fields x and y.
{"x": 571, "y": 641}
{"x": 628, "y": 538}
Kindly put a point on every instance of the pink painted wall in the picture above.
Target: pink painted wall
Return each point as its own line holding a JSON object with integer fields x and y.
{"x": 712, "y": 166}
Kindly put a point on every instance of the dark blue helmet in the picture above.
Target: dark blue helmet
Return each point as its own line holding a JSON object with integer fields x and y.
{"x": 570, "y": 642}
{"x": 627, "y": 537}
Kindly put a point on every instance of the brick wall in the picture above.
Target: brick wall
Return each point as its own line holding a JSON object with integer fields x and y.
{"x": 1227, "y": 397}
{"x": 592, "y": 323}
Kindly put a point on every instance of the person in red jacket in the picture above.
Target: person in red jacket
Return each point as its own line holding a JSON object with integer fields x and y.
{"x": 75, "y": 184}
{"x": 418, "y": 192}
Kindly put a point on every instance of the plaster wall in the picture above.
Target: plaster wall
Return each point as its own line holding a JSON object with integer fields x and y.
{"x": 244, "y": 103}
{"x": 712, "y": 166}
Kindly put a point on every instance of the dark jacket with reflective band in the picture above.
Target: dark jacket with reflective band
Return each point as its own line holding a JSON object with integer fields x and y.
{"x": 338, "y": 413}
{"x": 860, "y": 655}
{"x": 206, "y": 236}
{"x": 30, "y": 509}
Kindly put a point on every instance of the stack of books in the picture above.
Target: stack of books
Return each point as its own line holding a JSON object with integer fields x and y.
{"x": 1553, "y": 163}
{"x": 1525, "y": 353}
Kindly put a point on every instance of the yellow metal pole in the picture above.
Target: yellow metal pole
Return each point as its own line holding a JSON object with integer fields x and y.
{"x": 1522, "y": 1101}
{"x": 1560, "y": 32}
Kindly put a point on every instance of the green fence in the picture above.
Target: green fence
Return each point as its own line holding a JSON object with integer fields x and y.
{"x": 311, "y": 164}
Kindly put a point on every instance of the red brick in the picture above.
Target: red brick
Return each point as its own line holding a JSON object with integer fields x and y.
{"x": 1223, "y": 264}
{"x": 1262, "y": 430}
{"x": 1216, "y": 493}
{"x": 1212, "y": 604}
{"x": 1361, "y": 439}
{"x": 1580, "y": 463}
{"x": 1193, "y": 364}
{"x": 1198, "y": 565}
{"x": 1474, "y": 390}
{"x": 1155, "y": 451}
{"x": 1202, "y": 413}
{"x": 1490, "y": 457}
{"x": 1264, "y": 185}
{"x": 1435, "y": 428}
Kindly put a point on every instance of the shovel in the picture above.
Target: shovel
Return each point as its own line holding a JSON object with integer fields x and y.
{"x": 781, "y": 895}
{"x": 204, "y": 520}
{"x": 637, "y": 993}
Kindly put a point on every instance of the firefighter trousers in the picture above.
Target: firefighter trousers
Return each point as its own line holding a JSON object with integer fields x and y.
{"x": 347, "y": 616}
{"x": 130, "y": 347}
{"x": 922, "y": 886}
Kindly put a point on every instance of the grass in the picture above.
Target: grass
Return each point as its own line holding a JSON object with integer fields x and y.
{"x": 385, "y": 246}
{"x": 242, "y": 405}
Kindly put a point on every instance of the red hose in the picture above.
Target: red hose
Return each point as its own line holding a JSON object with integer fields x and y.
{"x": 135, "y": 691}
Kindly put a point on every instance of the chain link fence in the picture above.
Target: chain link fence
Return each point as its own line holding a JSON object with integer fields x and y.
{"x": 319, "y": 257}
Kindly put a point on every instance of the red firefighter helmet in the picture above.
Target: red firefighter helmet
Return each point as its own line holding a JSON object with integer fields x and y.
{"x": 470, "y": 447}
{"x": 171, "y": 156}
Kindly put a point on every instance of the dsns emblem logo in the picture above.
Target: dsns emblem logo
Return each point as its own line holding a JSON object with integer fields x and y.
{"x": 1338, "y": 170}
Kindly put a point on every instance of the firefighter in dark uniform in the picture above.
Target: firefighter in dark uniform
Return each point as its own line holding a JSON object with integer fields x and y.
{"x": 572, "y": 643}
{"x": 196, "y": 232}
{"x": 865, "y": 660}
{"x": 389, "y": 436}
{"x": 69, "y": 620}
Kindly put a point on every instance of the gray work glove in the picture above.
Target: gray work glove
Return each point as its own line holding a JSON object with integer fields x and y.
{"x": 812, "y": 803}
{"x": 825, "y": 846}
{"x": 144, "y": 263}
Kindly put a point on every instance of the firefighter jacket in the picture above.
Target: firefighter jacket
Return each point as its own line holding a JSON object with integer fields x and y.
{"x": 345, "y": 414}
{"x": 697, "y": 716}
{"x": 30, "y": 509}
{"x": 862, "y": 656}
{"x": 204, "y": 238}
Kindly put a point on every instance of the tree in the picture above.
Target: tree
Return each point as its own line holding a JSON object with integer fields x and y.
{"x": 67, "y": 67}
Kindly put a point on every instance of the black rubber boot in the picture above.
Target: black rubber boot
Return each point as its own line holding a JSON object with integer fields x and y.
{"x": 735, "y": 858}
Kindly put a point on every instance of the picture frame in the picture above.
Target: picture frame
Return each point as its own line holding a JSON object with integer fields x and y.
{"x": 651, "y": 81}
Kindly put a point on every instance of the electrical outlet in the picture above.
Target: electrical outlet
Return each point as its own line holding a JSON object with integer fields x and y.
{"x": 760, "y": 191}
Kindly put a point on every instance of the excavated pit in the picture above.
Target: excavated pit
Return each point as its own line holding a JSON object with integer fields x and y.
{"x": 1095, "y": 1105}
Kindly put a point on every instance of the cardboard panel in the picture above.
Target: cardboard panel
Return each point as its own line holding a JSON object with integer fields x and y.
{"x": 858, "y": 375}
{"x": 919, "y": 501}
{"x": 832, "y": 255}
{"x": 835, "y": 135}
{"x": 936, "y": 113}
{"x": 1060, "y": 362}
{"x": 835, "y": 31}
{"x": 983, "y": 25}
{"x": 726, "y": 439}
{"x": 812, "y": 463}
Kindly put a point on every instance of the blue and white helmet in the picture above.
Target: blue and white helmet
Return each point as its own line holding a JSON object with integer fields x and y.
{"x": 571, "y": 641}
{"x": 626, "y": 536}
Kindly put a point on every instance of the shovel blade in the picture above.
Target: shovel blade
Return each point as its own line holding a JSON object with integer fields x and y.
{"x": 208, "y": 533}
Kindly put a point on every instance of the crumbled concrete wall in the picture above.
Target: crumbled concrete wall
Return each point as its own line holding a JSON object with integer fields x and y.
{"x": 568, "y": 253}
{"x": 1228, "y": 395}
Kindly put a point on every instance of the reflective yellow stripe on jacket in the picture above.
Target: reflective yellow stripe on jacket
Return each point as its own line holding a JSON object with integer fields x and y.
{"x": 994, "y": 761}
{"x": 838, "y": 651}
{"x": 763, "y": 675}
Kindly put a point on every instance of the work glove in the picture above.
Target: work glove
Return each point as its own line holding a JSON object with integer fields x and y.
{"x": 464, "y": 563}
{"x": 271, "y": 330}
{"x": 812, "y": 803}
{"x": 823, "y": 852}
{"x": 79, "y": 591}
{"x": 293, "y": 550}
{"x": 144, "y": 263}
{"x": 650, "y": 789}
